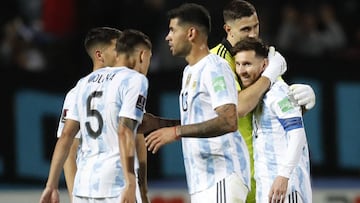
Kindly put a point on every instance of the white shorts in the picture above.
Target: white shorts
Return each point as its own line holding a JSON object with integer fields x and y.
{"x": 77, "y": 199}
{"x": 105, "y": 200}
{"x": 229, "y": 190}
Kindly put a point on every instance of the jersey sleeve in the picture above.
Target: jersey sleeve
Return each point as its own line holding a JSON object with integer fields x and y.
{"x": 221, "y": 85}
{"x": 290, "y": 118}
{"x": 134, "y": 100}
{"x": 68, "y": 102}
{"x": 72, "y": 111}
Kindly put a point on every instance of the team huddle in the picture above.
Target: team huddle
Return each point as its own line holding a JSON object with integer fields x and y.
{"x": 241, "y": 125}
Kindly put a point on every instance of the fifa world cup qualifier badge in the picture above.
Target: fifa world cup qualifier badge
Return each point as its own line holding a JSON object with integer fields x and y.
{"x": 63, "y": 115}
{"x": 141, "y": 101}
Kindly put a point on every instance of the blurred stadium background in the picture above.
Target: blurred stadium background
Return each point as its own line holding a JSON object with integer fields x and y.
{"x": 42, "y": 56}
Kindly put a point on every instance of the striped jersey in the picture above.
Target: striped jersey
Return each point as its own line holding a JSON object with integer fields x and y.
{"x": 223, "y": 50}
{"x": 102, "y": 97}
{"x": 205, "y": 86}
{"x": 66, "y": 105}
{"x": 276, "y": 119}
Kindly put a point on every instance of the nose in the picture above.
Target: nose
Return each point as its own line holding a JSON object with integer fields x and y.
{"x": 253, "y": 33}
{"x": 167, "y": 37}
{"x": 242, "y": 70}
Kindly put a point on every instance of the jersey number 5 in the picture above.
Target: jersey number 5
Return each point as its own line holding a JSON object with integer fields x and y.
{"x": 93, "y": 113}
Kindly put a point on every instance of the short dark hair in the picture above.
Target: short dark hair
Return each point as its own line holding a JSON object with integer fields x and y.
{"x": 131, "y": 38}
{"x": 237, "y": 9}
{"x": 192, "y": 13}
{"x": 100, "y": 36}
{"x": 252, "y": 44}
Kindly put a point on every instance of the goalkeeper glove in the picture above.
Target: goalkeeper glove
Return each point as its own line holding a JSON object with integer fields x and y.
{"x": 303, "y": 94}
{"x": 277, "y": 65}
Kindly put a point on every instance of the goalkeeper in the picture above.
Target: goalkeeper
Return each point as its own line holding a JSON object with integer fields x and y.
{"x": 241, "y": 21}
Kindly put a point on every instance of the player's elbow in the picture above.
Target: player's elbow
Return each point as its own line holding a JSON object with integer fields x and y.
{"x": 233, "y": 127}
{"x": 231, "y": 124}
{"x": 242, "y": 112}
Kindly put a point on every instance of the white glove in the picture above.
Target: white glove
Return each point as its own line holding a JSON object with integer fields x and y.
{"x": 303, "y": 94}
{"x": 277, "y": 65}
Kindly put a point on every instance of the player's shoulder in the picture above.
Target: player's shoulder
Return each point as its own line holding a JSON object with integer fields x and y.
{"x": 280, "y": 87}
{"x": 125, "y": 73}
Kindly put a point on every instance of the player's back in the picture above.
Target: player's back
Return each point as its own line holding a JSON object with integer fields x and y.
{"x": 102, "y": 97}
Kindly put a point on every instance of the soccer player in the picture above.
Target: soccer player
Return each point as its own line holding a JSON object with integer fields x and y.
{"x": 241, "y": 21}
{"x": 215, "y": 155}
{"x": 108, "y": 106}
{"x": 100, "y": 44}
{"x": 282, "y": 164}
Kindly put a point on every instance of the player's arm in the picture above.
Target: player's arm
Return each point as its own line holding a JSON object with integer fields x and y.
{"x": 250, "y": 97}
{"x": 126, "y": 134}
{"x": 225, "y": 122}
{"x": 142, "y": 172}
{"x": 151, "y": 122}
{"x": 296, "y": 141}
{"x": 60, "y": 154}
{"x": 70, "y": 167}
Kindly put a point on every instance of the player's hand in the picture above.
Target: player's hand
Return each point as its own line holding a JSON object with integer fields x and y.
{"x": 50, "y": 195}
{"x": 277, "y": 65}
{"x": 128, "y": 194}
{"x": 278, "y": 190}
{"x": 304, "y": 95}
{"x": 159, "y": 138}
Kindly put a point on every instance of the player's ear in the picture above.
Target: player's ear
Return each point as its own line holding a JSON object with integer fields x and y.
{"x": 141, "y": 56}
{"x": 227, "y": 28}
{"x": 191, "y": 32}
{"x": 98, "y": 55}
{"x": 265, "y": 63}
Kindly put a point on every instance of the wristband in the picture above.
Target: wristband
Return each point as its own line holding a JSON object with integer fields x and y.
{"x": 177, "y": 136}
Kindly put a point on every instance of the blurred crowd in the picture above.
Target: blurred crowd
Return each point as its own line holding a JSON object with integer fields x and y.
{"x": 42, "y": 35}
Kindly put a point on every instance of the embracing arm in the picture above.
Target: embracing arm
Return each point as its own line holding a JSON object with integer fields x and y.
{"x": 249, "y": 98}
{"x": 225, "y": 122}
{"x": 304, "y": 96}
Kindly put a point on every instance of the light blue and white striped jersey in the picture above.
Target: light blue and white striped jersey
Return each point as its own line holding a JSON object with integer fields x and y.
{"x": 275, "y": 120}
{"x": 69, "y": 99}
{"x": 102, "y": 97}
{"x": 205, "y": 86}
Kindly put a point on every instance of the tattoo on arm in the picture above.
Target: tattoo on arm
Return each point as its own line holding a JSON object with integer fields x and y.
{"x": 225, "y": 122}
{"x": 129, "y": 123}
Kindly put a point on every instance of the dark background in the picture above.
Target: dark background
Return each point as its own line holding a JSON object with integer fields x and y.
{"x": 42, "y": 57}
